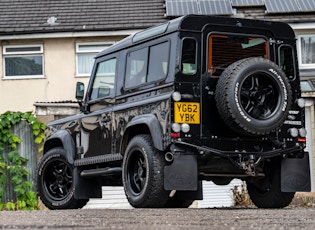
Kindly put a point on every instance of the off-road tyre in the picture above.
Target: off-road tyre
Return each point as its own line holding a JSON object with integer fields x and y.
{"x": 253, "y": 96}
{"x": 143, "y": 174}
{"x": 266, "y": 192}
{"x": 55, "y": 181}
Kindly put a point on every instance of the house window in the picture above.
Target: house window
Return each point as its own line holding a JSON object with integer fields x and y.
{"x": 307, "y": 86}
{"x": 85, "y": 53}
{"x": 23, "y": 61}
{"x": 307, "y": 51}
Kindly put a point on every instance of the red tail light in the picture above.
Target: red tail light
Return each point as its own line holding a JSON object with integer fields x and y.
{"x": 302, "y": 139}
{"x": 175, "y": 135}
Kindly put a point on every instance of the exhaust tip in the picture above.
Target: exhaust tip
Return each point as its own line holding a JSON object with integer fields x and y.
{"x": 169, "y": 157}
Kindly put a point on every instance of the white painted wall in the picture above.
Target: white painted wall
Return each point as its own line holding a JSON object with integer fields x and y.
{"x": 59, "y": 81}
{"x": 214, "y": 196}
{"x": 310, "y": 137}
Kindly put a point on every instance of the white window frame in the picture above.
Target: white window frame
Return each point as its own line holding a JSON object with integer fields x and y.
{"x": 6, "y": 54}
{"x": 88, "y": 51}
{"x": 299, "y": 52}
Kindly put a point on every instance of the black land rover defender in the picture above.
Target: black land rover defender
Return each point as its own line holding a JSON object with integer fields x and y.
{"x": 197, "y": 98}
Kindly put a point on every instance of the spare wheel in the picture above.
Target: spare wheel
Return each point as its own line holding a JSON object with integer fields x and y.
{"x": 253, "y": 96}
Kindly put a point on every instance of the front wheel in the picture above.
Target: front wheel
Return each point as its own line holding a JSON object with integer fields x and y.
{"x": 143, "y": 174}
{"x": 55, "y": 181}
{"x": 266, "y": 192}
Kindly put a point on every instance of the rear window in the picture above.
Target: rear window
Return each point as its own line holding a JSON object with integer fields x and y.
{"x": 223, "y": 50}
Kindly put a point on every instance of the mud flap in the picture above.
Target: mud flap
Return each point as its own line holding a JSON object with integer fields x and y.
{"x": 86, "y": 188}
{"x": 295, "y": 174}
{"x": 182, "y": 174}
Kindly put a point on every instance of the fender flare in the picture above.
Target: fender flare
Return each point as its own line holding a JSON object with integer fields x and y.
{"x": 63, "y": 139}
{"x": 153, "y": 125}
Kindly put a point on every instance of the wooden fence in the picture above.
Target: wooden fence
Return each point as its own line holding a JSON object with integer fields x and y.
{"x": 27, "y": 149}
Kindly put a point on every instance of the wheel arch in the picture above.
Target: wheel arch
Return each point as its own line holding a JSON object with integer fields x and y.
{"x": 61, "y": 138}
{"x": 143, "y": 124}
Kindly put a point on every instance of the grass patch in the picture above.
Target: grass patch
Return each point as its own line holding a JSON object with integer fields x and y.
{"x": 304, "y": 199}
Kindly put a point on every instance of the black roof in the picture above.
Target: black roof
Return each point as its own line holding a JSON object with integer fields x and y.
{"x": 279, "y": 30}
{"x": 32, "y": 16}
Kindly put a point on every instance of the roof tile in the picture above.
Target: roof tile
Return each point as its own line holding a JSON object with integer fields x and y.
{"x": 30, "y": 16}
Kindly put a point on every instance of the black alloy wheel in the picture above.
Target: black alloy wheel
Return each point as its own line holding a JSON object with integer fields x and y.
{"x": 260, "y": 96}
{"x": 58, "y": 179}
{"x": 55, "y": 181}
{"x": 143, "y": 174}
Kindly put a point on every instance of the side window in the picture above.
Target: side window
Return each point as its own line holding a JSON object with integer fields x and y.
{"x": 147, "y": 65}
{"x": 286, "y": 61}
{"x": 158, "y": 62}
{"x": 136, "y": 69}
{"x": 104, "y": 79}
{"x": 188, "y": 63}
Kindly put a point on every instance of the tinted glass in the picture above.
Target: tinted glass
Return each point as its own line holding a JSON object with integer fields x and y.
{"x": 223, "y": 50}
{"x": 158, "y": 62}
{"x": 188, "y": 64}
{"x": 286, "y": 61}
{"x": 136, "y": 69}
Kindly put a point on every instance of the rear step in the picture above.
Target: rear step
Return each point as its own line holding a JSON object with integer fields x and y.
{"x": 101, "y": 172}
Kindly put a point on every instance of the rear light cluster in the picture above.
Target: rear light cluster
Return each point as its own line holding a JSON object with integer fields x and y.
{"x": 301, "y": 102}
{"x": 185, "y": 128}
{"x": 294, "y": 132}
{"x": 177, "y": 127}
{"x": 300, "y": 133}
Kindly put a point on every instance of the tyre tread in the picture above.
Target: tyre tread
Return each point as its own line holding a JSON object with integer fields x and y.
{"x": 223, "y": 94}
{"x": 155, "y": 196}
{"x": 72, "y": 203}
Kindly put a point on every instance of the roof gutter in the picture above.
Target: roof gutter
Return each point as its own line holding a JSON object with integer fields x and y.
{"x": 67, "y": 34}
{"x": 302, "y": 25}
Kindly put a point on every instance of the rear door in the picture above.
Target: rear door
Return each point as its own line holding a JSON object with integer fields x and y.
{"x": 224, "y": 46}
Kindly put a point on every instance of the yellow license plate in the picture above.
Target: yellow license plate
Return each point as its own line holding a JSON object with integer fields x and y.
{"x": 187, "y": 112}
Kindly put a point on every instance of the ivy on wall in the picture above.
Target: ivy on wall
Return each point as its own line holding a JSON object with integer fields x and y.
{"x": 14, "y": 164}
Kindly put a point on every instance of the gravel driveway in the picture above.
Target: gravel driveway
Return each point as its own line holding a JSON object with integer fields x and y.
{"x": 143, "y": 219}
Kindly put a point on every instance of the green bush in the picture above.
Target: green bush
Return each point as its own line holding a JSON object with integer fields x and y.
{"x": 14, "y": 164}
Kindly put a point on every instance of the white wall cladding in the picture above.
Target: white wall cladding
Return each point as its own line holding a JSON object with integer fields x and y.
{"x": 310, "y": 125}
{"x": 218, "y": 195}
{"x": 214, "y": 196}
{"x": 113, "y": 197}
